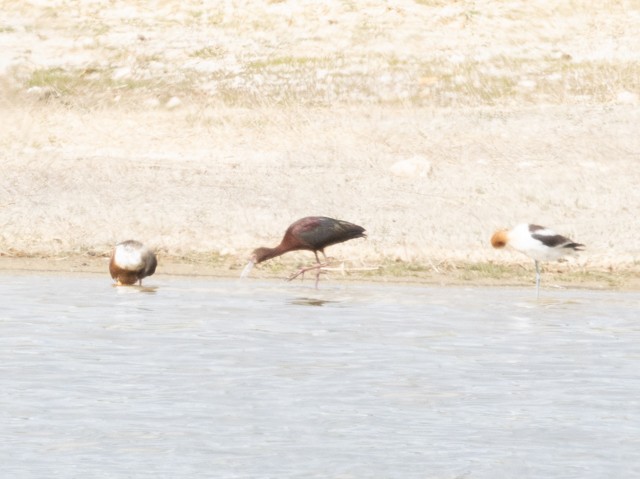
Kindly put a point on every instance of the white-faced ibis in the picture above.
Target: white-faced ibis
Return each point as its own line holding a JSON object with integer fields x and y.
{"x": 313, "y": 233}
{"x": 538, "y": 243}
{"x": 130, "y": 262}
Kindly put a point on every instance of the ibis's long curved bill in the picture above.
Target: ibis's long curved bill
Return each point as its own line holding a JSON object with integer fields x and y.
{"x": 247, "y": 269}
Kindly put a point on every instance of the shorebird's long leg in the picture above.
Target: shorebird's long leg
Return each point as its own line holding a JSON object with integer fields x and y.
{"x": 302, "y": 271}
{"x": 537, "y": 279}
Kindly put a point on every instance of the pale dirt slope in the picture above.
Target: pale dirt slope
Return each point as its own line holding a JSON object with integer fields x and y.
{"x": 203, "y": 129}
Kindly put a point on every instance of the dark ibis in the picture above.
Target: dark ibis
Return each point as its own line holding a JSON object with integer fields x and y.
{"x": 538, "y": 243}
{"x": 313, "y": 233}
{"x": 130, "y": 262}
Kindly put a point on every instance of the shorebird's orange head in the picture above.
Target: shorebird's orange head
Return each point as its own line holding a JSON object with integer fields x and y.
{"x": 499, "y": 239}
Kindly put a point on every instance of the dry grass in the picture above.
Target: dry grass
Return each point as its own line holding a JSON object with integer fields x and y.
{"x": 241, "y": 53}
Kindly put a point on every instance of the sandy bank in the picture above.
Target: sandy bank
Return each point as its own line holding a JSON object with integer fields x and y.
{"x": 443, "y": 274}
{"x": 205, "y": 132}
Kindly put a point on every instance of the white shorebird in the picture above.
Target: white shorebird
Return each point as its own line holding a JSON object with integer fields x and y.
{"x": 130, "y": 262}
{"x": 538, "y": 243}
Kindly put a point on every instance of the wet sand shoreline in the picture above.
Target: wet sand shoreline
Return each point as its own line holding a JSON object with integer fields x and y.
{"x": 482, "y": 275}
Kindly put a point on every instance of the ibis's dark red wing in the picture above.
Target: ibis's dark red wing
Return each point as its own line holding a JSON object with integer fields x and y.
{"x": 318, "y": 232}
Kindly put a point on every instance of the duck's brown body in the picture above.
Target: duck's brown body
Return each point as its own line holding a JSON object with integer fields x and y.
{"x": 131, "y": 261}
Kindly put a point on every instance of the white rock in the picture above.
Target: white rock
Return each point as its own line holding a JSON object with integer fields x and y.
{"x": 121, "y": 73}
{"x": 173, "y": 102}
{"x": 416, "y": 166}
{"x": 528, "y": 84}
{"x": 86, "y": 42}
{"x": 627, "y": 98}
{"x": 457, "y": 59}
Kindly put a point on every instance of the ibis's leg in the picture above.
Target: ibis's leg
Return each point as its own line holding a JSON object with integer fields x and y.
{"x": 317, "y": 267}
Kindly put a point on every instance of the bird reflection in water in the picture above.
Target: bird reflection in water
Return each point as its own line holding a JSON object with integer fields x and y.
{"x": 310, "y": 302}
{"x": 136, "y": 289}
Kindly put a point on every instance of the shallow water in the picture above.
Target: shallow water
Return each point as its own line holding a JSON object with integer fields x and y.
{"x": 250, "y": 379}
